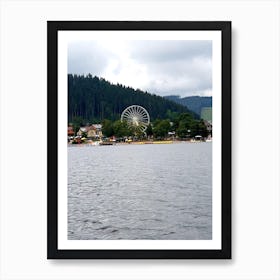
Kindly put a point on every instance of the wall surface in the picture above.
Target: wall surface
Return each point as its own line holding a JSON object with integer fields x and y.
{"x": 255, "y": 151}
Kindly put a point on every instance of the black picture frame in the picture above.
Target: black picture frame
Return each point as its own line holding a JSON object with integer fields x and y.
{"x": 53, "y": 27}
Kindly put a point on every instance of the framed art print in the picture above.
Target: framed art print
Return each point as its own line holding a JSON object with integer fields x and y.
{"x": 139, "y": 140}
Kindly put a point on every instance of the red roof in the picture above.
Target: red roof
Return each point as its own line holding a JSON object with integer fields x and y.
{"x": 92, "y": 127}
{"x": 70, "y": 130}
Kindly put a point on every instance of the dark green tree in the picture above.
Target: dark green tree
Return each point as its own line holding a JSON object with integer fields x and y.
{"x": 200, "y": 129}
{"x": 121, "y": 129}
{"x": 182, "y": 131}
{"x": 149, "y": 130}
{"x": 77, "y": 122}
{"x": 107, "y": 128}
{"x": 161, "y": 128}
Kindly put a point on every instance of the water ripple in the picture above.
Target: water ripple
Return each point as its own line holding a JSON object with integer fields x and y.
{"x": 140, "y": 192}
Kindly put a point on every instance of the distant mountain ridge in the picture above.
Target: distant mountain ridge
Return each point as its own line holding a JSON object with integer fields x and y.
{"x": 193, "y": 103}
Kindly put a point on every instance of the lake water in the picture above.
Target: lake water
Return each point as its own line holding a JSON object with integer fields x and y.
{"x": 158, "y": 191}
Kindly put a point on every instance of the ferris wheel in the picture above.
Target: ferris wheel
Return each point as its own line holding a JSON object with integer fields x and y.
{"x": 136, "y": 116}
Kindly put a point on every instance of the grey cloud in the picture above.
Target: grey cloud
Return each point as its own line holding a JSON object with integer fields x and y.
{"x": 87, "y": 57}
{"x": 161, "y": 51}
{"x": 175, "y": 67}
{"x": 172, "y": 67}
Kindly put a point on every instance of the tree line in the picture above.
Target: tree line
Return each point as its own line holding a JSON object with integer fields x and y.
{"x": 183, "y": 125}
{"x": 93, "y": 99}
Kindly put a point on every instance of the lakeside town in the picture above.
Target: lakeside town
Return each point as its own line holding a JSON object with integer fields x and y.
{"x": 161, "y": 132}
{"x": 102, "y": 113}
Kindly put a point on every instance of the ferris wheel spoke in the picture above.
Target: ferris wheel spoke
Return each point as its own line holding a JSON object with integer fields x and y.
{"x": 145, "y": 120}
{"x": 139, "y": 110}
{"x": 142, "y": 125}
{"x": 145, "y": 117}
{"x": 126, "y": 115}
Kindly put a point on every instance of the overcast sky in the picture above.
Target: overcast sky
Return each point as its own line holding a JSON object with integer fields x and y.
{"x": 161, "y": 67}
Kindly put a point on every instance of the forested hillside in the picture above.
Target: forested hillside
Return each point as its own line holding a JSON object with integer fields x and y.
{"x": 93, "y": 99}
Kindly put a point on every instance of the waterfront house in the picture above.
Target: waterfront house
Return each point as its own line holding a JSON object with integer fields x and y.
{"x": 91, "y": 131}
{"x": 82, "y": 131}
{"x": 98, "y": 130}
{"x": 208, "y": 125}
{"x": 70, "y": 131}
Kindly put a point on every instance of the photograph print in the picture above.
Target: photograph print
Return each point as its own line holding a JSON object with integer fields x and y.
{"x": 139, "y": 172}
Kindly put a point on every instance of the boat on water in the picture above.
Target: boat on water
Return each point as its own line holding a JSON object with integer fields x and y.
{"x": 107, "y": 143}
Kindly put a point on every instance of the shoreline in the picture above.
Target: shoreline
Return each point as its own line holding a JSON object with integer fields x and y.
{"x": 163, "y": 142}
